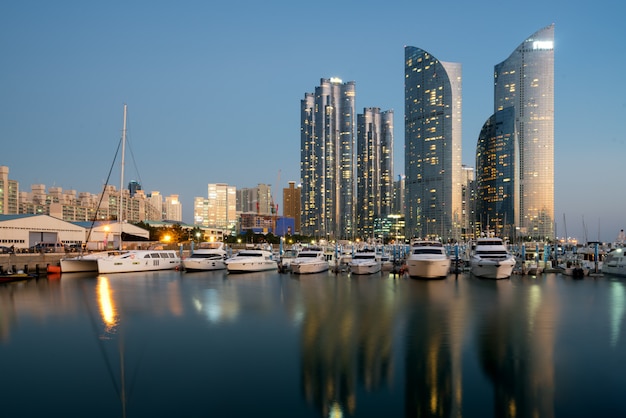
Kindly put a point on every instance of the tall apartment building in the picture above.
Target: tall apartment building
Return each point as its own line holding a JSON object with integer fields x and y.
{"x": 219, "y": 209}
{"x": 518, "y": 140}
{"x": 432, "y": 97}
{"x": 9, "y": 192}
{"x": 327, "y": 161}
{"x": 291, "y": 204}
{"x": 155, "y": 202}
{"x": 173, "y": 208}
{"x": 256, "y": 200}
{"x": 374, "y": 180}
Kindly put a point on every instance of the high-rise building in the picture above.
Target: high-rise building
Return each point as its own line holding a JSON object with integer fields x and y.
{"x": 255, "y": 200}
{"x": 9, "y": 192}
{"x": 432, "y": 102}
{"x": 291, "y": 204}
{"x": 374, "y": 180}
{"x": 219, "y": 210}
{"x": 496, "y": 180}
{"x": 523, "y": 110}
{"x": 327, "y": 167}
{"x": 173, "y": 208}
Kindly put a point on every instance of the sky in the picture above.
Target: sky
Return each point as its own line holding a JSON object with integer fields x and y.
{"x": 213, "y": 89}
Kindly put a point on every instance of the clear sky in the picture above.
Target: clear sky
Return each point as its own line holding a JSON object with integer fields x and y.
{"x": 214, "y": 88}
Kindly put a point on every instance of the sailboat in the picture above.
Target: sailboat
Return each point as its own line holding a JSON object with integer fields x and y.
{"x": 123, "y": 261}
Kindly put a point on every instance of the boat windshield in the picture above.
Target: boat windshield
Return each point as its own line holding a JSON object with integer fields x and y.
{"x": 427, "y": 251}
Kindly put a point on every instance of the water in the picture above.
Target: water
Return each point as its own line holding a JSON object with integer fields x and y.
{"x": 209, "y": 344}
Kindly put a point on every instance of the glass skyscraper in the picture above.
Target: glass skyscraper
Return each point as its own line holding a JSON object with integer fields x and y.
{"x": 524, "y": 82}
{"x": 327, "y": 162}
{"x": 374, "y": 181}
{"x": 496, "y": 178}
{"x": 432, "y": 97}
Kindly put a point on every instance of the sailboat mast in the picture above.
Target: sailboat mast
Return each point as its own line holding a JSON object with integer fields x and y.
{"x": 119, "y": 217}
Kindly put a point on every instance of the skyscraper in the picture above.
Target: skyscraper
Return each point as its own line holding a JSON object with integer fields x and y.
{"x": 327, "y": 139}
{"x": 432, "y": 102}
{"x": 524, "y": 82}
{"x": 374, "y": 180}
{"x": 496, "y": 179}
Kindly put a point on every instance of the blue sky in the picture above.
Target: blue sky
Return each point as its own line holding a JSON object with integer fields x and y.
{"x": 214, "y": 89}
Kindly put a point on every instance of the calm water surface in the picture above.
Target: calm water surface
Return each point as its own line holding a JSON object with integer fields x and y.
{"x": 209, "y": 344}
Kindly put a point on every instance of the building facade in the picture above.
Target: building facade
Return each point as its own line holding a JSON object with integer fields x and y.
{"x": 496, "y": 180}
{"x": 374, "y": 180}
{"x": 525, "y": 83}
{"x": 291, "y": 205}
{"x": 327, "y": 162}
{"x": 433, "y": 99}
{"x": 173, "y": 209}
{"x": 9, "y": 192}
{"x": 219, "y": 209}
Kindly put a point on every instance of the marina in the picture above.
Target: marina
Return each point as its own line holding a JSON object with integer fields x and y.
{"x": 208, "y": 343}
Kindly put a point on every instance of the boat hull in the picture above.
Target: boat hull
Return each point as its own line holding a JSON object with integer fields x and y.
{"x": 205, "y": 264}
{"x": 492, "y": 269}
{"x": 365, "y": 268}
{"x": 78, "y": 265}
{"x": 428, "y": 268}
{"x": 251, "y": 266}
{"x": 138, "y": 261}
{"x": 309, "y": 268}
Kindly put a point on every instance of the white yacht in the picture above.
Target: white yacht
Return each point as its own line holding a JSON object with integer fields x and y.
{"x": 428, "y": 260}
{"x": 310, "y": 260}
{"x": 138, "y": 260}
{"x": 490, "y": 259}
{"x": 365, "y": 261}
{"x": 209, "y": 256}
{"x": 615, "y": 262}
{"x": 250, "y": 260}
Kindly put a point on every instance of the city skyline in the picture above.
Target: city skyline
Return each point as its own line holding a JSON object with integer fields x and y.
{"x": 213, "y": 90}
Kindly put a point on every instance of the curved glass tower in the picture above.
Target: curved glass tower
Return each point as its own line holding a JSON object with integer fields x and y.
{"x": 496, "y": 179}
{"x": 525, "y": 82}
{"x": 432, "y": 109}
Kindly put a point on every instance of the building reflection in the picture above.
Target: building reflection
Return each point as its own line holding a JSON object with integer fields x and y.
{"x": 516, "y": 347}
{"x": 346, "y": 341}
{"x": 433, "y": 347}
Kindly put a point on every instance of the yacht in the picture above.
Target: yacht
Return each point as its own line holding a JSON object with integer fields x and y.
{"x": 615, "y": 262}
{"x": 138, "y": 260}
{"x": 428, "y": 260}
{"x": 209, "y": 256}
{"x": 251, "y": 260}
{"x": 365, "y": 261}
{"x": 490, "y": 259}
{"x": 310, "y": 260}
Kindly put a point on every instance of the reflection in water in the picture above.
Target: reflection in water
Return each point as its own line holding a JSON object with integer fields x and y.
{"x": 346, "y": 340}
{"x": 108, "y": 312}
{"x": 329, "y": 346}
{"x": 435, "y": 323}
{"x": 616, "y": 306}
{"x": 516, "y": 347}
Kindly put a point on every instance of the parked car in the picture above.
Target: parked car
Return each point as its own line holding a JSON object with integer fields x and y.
{"x": 5, "y": 250}
{"x": 47, "y": 247}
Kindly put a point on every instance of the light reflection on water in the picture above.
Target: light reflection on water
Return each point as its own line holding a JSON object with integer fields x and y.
{"x": 270, "y": 344}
